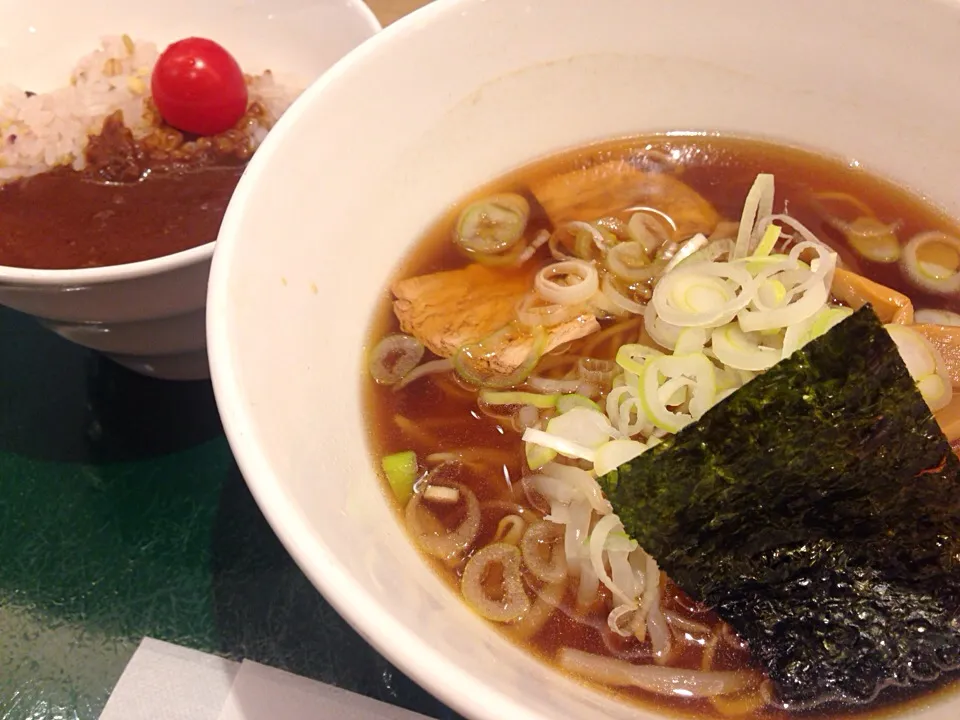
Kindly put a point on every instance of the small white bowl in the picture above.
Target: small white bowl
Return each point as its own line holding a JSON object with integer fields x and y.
{"x": 149, "y": 315}
{"x": 445, "y": 100}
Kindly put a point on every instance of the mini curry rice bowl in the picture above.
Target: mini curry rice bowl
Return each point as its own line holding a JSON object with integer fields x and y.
{"x": 135, "y": 158}
{"x": 113, "y": 186}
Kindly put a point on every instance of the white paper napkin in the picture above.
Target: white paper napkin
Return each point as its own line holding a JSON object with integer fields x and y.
{"x": 169, "y": 682}
{"x": 264, "y": 693}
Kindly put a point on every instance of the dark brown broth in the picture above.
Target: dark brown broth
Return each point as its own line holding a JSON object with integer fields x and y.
{"x": 446, "y": 415}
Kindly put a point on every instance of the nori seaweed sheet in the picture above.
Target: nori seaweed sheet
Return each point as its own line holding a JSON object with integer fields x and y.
{"x": 817, "y": 510}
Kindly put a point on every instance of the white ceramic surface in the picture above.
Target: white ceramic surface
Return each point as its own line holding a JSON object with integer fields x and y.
{"x": 453, "y": 96}
{"x": 149, "y": 316}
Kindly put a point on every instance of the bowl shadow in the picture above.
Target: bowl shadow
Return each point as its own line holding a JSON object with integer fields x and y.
{"x": 70, "y": 404}
{"x": 266, "y": 610}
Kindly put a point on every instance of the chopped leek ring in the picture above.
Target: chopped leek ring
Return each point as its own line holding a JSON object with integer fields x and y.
{"x": 695, "y": 367}
{"x": 925, "y": 364}
{"x": 873, "y": 239}
{"x": 586, "y": 427}
{"x": 758, "y": 207}
{"x": 703, "y": 295}
{"x": 936, "y": 317}
{"x": 401, "y": 470}
{"x": 690, "y": 340}
{"x": 632, "y": 357}
{"x": 544, "y": 402}
{"x": 615, "y": 453}
{"x": 742, "y": 351}
{"x": 558, "y": 444}
{"x": 929, "y": 274}
{"x": 572, "y": 400}
{"x": 769, "y": 239}
{"x": 538, "y": 455}
{"x": 492, "y": 225}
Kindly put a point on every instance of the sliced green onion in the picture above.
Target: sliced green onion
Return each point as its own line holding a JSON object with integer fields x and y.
{"x": 808, "y": 296}
{"x": 931, "y": 274}
{"x": 757, "y": 207}
{"x": 690, "y": 340}
{"x": 629, "y": 261}
{"x": 695, "y": 368}
{"x": 703, "y": 295}
{"x": 687, "y": 250}
{"x": 645, "y": 229}
{"x": 873, "y": 239}
{"x": 569, "y": 282}
{"x": 573, "y": 400}
{"x": 533, "y": 310}
{"x": 558, "y": 444}
{"x": 632, "y": 357}
{"x": 544, "y": 402}
{"x": 509, "y": 602}
{"x": 393, "y": 357}
{"x": 469, "y": 359}
{"x": 615, "y": 453}
{"x": 401, "y": 470}
{"x": 492, "y": 225}
{"x": 742, "y": 351}
{"x": 772, "y": 293}
{"x": 934, "y": 316}
{"x": 538, "y": 455}
{"x": 826, "y": 319}
{"x": 716, "y": 249}
{"x": 925, "y": 364}
{"x": 769, "y": 239}
{"x": 584, "y": 426}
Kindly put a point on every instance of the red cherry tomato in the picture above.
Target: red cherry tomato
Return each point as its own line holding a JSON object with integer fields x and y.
{"x": 198, "y": 87}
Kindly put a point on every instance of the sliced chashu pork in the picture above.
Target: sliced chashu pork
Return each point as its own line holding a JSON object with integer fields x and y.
{"x": 592, "y": 192}
{"x": 449, "y": 309}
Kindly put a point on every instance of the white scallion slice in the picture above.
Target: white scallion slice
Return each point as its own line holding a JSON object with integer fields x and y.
{"x": 574, "y": 400}
{"x": 632, "y": 357}
{"x": 925, "y": 364}
{"x": 608, "y": 286}
{"x": 742, "y": 351}
{"x": 703, "y": 295}
{"x": 809, "y": 290}
{"x": 544, "y": 402}
{"x": 401, "y": 469}
{"x": 584, "y": 426}
{"x": 767, "y": 241}
{"x": 510, "y": 602}
{"x": 629, "y": 261}
{"x": 570, "y": 282}
{"x": 932, "y": 261}
{"x": 393, "y": 357}
{"x": 758, "y": 205}
{"x": 657, "y": 371}
{"x": 558, "y": 444}
{"x": 690, "y": 340}
{"x": 615, "y": 453}
{"x": 934, "y": 316}
{"x": 537, "y": 455}
{"x": 873, "y": 239}
{"x": 492, "y": 225}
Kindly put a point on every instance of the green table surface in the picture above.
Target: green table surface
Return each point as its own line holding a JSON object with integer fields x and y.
{"x": 123, "y": 515}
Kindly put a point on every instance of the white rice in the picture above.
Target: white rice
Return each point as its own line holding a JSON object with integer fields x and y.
{"x": 50, "y": 129}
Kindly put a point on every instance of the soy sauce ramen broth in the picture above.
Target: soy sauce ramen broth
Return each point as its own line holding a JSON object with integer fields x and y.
{"x": 439, "y": 413}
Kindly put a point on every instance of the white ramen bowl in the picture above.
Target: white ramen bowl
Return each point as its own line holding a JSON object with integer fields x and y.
{"x": 149, "y": 315}
{"x": 445, "y": 100}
